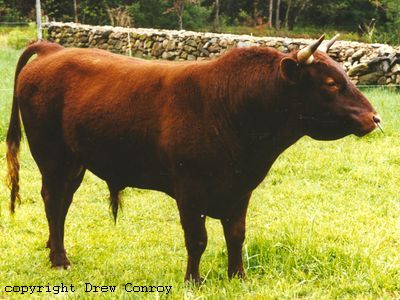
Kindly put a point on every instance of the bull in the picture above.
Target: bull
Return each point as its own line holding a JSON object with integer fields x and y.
{"x": 205, "y": 133}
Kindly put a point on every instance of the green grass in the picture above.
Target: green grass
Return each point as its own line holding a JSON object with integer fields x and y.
{"x": 8, "y": 62}
{"x": 323, "y": 225}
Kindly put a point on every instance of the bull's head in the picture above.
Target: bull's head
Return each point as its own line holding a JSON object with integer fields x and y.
{"x": 330, "y": 106}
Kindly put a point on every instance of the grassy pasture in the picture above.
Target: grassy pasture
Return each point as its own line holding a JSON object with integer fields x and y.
{"x": 323, "y": 225}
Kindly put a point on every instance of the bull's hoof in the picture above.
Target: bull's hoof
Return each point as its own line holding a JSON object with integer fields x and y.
{"x": 59, "y": 261}
{"x": 65, "y": 266}
{"x": 61, "y": 268}
{"x": 237, "y": 274}
{"x": 194, "y": 280}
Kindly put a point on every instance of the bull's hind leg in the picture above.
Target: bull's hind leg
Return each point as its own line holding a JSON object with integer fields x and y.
{"x": 59, "y": 184}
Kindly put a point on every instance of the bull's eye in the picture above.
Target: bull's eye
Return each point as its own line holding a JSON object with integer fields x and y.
{"x": 331, "y": 84}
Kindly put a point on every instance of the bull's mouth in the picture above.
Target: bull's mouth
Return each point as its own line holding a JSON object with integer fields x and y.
{"x": 325, "y": 128}
{"x": 367, "y": 123}
{"x": 329, "y": 127}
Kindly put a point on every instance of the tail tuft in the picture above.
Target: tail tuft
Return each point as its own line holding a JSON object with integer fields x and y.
{"x": 13, "y": 171}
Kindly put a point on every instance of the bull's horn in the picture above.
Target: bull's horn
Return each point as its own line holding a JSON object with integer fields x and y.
{"x": 305, "y": 55}
{"x": 325, "y": 48}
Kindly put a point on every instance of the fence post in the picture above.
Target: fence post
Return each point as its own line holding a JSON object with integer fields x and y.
{"x": 129, "y": 42}
{"x": 39, "y": 20}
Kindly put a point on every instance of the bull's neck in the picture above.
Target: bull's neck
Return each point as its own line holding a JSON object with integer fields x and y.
{"x": 259, "y": 113}
{"x": 267, "y": 130}
{"x": 253, "y": 124}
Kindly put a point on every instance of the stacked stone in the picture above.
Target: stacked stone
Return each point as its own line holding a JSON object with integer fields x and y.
{"x": 160, "y": 44}
{"x": 366, "y": 64}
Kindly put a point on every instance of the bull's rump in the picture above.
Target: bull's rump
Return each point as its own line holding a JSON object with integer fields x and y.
{"x": 116, "y": 115}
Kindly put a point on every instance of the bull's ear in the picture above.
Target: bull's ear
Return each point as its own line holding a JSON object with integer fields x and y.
{"x": 289, "y": 70}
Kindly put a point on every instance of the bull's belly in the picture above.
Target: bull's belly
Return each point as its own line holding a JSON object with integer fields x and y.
{"x": 144, "y": 178}
{"x": 126, "y": 167}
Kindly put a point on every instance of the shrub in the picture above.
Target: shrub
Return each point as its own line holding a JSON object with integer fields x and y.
{"x": 18, "y": 37}
{"x": 196, "y": 17}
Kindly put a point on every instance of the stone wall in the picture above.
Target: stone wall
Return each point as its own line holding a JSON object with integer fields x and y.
{"x": 366, "y": 64}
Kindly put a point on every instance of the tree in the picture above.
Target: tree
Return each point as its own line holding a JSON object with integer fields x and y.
{"x": 216, "y": 15}
{"x": 301, "y": 5}
{"x": 119, "y": 16}
{"x": 75, "y": 12}
{"x": 178, "y": 7}
{"x": 270, "y": 11}
{"x": 389, "y": 30}
{"x": 289, "y": 6}
{"x": 344, "y": 15}
{"x": 277, "y": 15}
{"x": 256, "y": 12}
{"x": 151, "y": 13}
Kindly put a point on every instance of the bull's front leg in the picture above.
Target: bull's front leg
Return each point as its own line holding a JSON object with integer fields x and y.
{"x": 234, "y": 225}
{"x": 193, "y": 223}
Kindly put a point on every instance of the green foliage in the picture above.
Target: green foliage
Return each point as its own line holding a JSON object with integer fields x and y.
{"x": 389, "y": 31}
{"x": 10, "y": 14}
{"x": 345, "y": 14}
{"x": 196, "y": 17}
{"x": 342, "y": 15}
{"x": 56, "y": 10}
{"x": 93, "y": 12}
{"x": 150, "y": 13}
{"x": 17, "y": 37}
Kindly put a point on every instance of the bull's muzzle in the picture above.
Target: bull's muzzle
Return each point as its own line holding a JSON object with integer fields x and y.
{"x": 367, "y": 122}
{"x": 377, "y": 120}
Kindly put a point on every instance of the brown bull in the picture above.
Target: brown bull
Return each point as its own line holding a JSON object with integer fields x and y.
{"x": 205, "y": 133}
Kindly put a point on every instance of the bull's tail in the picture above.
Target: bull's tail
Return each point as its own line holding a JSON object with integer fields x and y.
{"x": 14, "y": 129}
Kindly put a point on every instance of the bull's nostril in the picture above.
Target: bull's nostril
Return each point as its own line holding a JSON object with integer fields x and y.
{"x": 377, "y": 119}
